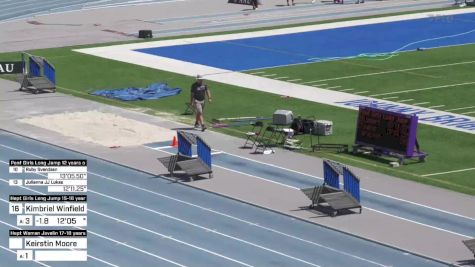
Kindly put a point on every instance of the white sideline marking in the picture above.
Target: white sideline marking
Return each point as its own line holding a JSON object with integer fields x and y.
{"x": 391, "y": 97}
{"x": 286, "y": 169}
{"x": 424, "y": 89}
{"x": 438, "y": 106}
{"x": 234, "y": 218}
{"x": 127, "y": 53}
{"x": 465, "y": 113}
{"x": 269, "y": 75}
{"x": 311, "y": 82}
{"x": 406, "y": 100}
{"x": 18, "y": 228}
{"x": 345, "y": 90}
{"x": 395, "y": 71}
{"x": 440, "y": 173}
{"x": 361, "y": 92}
{"x": 318, "y": 84}
{"x": 281, "y": 78}
{"x": 333, "y": 87}
{"x": 460, "y": 108}
{"x": 294, "y": 80}
{"x": 421, "y": 103}
{"x": 257, "y": 72}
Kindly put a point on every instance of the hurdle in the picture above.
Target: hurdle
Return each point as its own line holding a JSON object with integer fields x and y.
{"x": 351, "y": 183}
{"x": 329, "y": 194}
{"x": 331, "y": 175}
{"x": 184, "y": 160}
{"x": 39, "y": 75}
{"x": 184, "y": 145}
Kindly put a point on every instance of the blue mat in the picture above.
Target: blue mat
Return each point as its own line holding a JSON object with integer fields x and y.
{"x": 153, "y": 91}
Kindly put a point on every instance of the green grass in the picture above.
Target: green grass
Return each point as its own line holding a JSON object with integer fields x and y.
{"x": 372, "y": 76}
{"x": 79, "y": 74}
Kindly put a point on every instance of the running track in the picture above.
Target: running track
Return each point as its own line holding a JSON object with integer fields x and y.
{"x": 135, "y": 218}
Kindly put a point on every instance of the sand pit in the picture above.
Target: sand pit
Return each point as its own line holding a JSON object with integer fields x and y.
{"x": 105, "y": 129}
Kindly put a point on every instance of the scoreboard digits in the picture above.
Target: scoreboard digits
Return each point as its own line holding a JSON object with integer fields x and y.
{"x": 386, "y": 130}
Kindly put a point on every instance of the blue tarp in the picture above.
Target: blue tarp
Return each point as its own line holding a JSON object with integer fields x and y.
{"x": 153, "y": 91}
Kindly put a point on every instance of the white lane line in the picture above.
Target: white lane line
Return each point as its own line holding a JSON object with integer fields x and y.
{"x": 257, "y": 72}
{"x": 395, "y": 71}
{"x": 88, "y": 255}
{"x": 269, "y": 75}
{"x": 424, "y": 89}
{"x": 293, "y": 80}
{"x": 234, "y": 218}
{"x": 421, "y": 103}
{"x": 362, "y": 189}
{"x": 102, "y": 236}
{"x": 438, "y": 106}
{"x": 454, "y": 109}
{"x": 170, "y": 238}
{"x": 447, "y": 172}
{"x": 189, "y": 223}
{"x": 203, "y": 228}
{"x": 236, "y": 171}
{"x": 466, "y": 113}
{"x": 289, "y": 170}
{"x": 14, "y": 252}
{"x": 406, "y": 100}
{"x": 390, "y": 97}
{"x": 334, "y": 87}
{"x": 419, "y": 223}
{"x": 360, "y": 92}
{"x": 281, "y": 78}
{"x": 345, "y": 90}
{"x": 318, "y": 84}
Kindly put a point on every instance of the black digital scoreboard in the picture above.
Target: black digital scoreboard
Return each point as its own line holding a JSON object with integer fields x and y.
{"x": 386, "y": 130}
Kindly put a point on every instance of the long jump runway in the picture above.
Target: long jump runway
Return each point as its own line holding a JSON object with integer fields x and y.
{"x": 136, "y": 219}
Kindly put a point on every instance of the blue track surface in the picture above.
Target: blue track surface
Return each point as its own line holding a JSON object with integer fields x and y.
{"x": 406, "y": 210}
{"x": 298, "y": 48}
{"x": 139, "y": 220}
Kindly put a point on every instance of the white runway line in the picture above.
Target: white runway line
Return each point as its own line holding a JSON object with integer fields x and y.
{"x": 360, "y": 92}
{"x": 454, "y": 109}
{"x": 447, "y": 172}
{"x": 466, "y": 113}
{"x": 395, "y": 71}
{"x": 391, "y": 97}
{"x": 406, "y": 100}
{"x": 438, "y": 106}
{"x": 424, "y": 89}
{"x": 421, "y": 103}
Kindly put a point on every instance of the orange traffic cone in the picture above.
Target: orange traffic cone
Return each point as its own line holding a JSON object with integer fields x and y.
{"x": 174, "y": 142}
